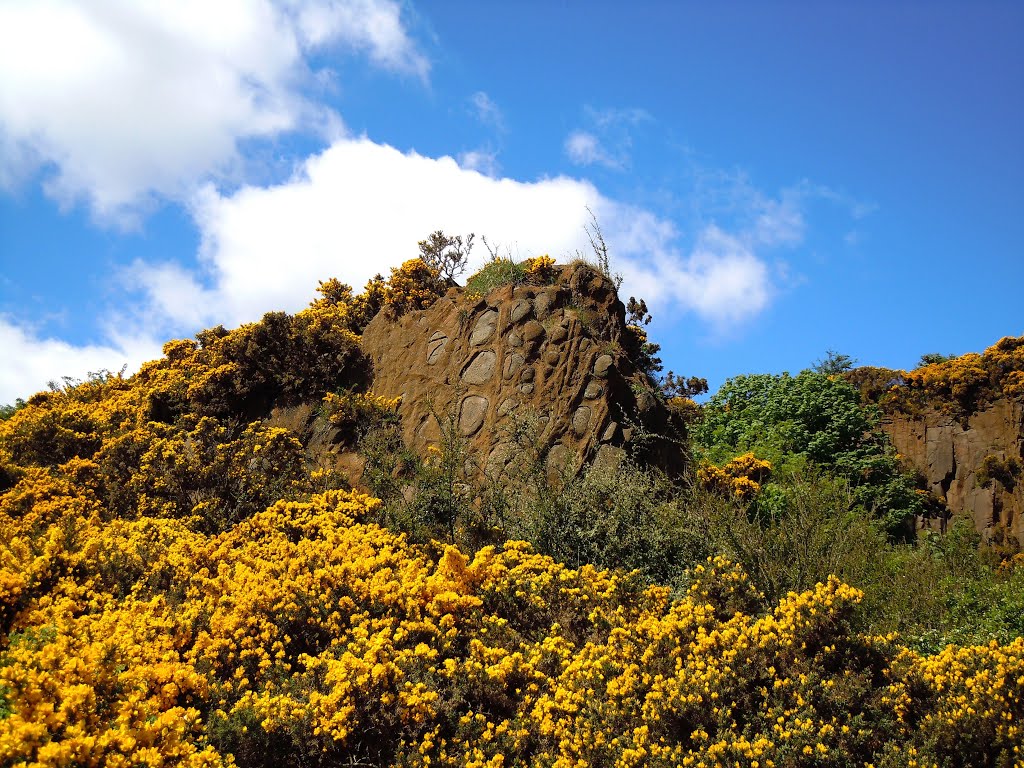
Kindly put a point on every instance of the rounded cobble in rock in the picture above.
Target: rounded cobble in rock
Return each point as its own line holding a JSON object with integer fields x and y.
{"x": 552, "y": 357}
{"x": 512, "y": 364}
{"x": 472, "y": 414}
{"x": 484, "y": 327}
{"x": 611, "y": 432}
{"x": 481, "y": 369}
{"x": 515, "y": 339}
{"x": 558, "y": 458}
{"x": 581, "y": 420}
{"x": 558, "y": 334}
{"x": 527, "y": 374}
{"x": 435, "y": 347}
{"x": 547, "y": 301}
{"x": 593, "y": 391}
{"x": 526, "y": 388}
{"x": 602, "y": 365}
{"x": 533, "y": 331}
{"x": 519, "y": 310}
{"x": 507, "y": 406}
{"x": 499, "y": 457}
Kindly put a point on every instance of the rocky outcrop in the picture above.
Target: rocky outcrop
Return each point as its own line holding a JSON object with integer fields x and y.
{"x": 950, "y": 455}
{"x": 555, "y": 355}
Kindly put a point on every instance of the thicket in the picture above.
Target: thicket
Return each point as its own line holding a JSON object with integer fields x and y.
{"x": 182, "y": 583}
{"x": 959, "y": 386}
{"x": 816, "y": 418}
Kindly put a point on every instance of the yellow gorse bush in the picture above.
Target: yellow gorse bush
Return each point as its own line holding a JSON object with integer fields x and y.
{"x": 539, "y": 269}
{"x": 307, "y": 629}
{"x": 740, "y": 477}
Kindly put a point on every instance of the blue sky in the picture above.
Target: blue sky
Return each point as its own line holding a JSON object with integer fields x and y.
{"x": 776, "y": 179}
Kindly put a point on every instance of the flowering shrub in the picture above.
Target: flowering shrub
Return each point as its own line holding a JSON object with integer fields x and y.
{"x": 740, "y": 477}
{"x": 308, "y": 630}
{"x": 414, "y": 285}
{"x": 959, "y": 386}
{"x": 539, "y": 269}
{"x": 356, "y": 412}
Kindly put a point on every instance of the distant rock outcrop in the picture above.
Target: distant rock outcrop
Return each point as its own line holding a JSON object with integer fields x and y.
{"x": 556, "y": 353}
{"x": 956, "y": 458}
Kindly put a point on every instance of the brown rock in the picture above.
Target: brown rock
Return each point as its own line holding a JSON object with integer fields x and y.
{"x": 581, "y": 420}
{"x": 558, "y": 334}
{"x": 512, "y": 364}
{"x": 435, "y": 347}
{"x": 519, "y": 310}
{"x": 948, "y": 454}
{"x": 432, "y": 357}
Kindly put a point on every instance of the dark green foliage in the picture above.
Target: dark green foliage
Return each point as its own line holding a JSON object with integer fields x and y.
{"x": 281, "y": 360}
{"x": 834, "y": 363}
{"x": 6, "y": 411}
{"x": 931, "y": 358}
{"x": 802, "y": 527}
{"x": 1005, "y": 471}
{"x": 677, "y": 386}
{"x": 819, "y": 418}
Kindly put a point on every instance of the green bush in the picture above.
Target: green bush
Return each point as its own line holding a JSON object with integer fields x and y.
{"x": 494, "y": 274}
{"x": 813, "y": 417}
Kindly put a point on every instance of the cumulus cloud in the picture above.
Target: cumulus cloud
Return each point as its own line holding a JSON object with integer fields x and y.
{"x": 722, "y": 279}
{"x": 32, "y": 361}
{"x": 121, "y": 101}
{"x": 359, "y": 207}
{"x": 608, "y": 138}
{"x": 483, "y": 160}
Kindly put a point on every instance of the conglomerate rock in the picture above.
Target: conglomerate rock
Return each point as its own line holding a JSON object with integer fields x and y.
{"x": 554, "y": 356}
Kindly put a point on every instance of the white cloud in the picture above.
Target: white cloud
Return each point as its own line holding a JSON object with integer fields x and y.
{"x": 359, "y": 207}
{"x": 122, "y": 100}
{"x": 374, "y": 26}
{"x": 585, "y": 148}
{"x": 721, "y": 279}
{"x": 608, "y": 141}
{"x": 31, "y": 361}
{"x": 482, "y": 160}
{"x": 610, "y": 117}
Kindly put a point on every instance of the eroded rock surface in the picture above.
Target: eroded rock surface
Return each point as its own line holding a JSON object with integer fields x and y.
{"x": 948, "y": 454}
{"x": 552, "y": 355}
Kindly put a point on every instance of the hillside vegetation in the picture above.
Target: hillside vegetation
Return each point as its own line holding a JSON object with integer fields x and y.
{"x": 182, "y": 583}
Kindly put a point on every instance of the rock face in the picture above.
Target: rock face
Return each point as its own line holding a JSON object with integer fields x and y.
{"x": 552, "y": 354}
{"x": 949, "y": 454}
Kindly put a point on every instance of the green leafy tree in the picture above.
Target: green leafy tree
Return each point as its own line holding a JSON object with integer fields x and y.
{"x": 819, "y": 418}
{"x": 931, "y": 358}
{"x": 834, "y": 363}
